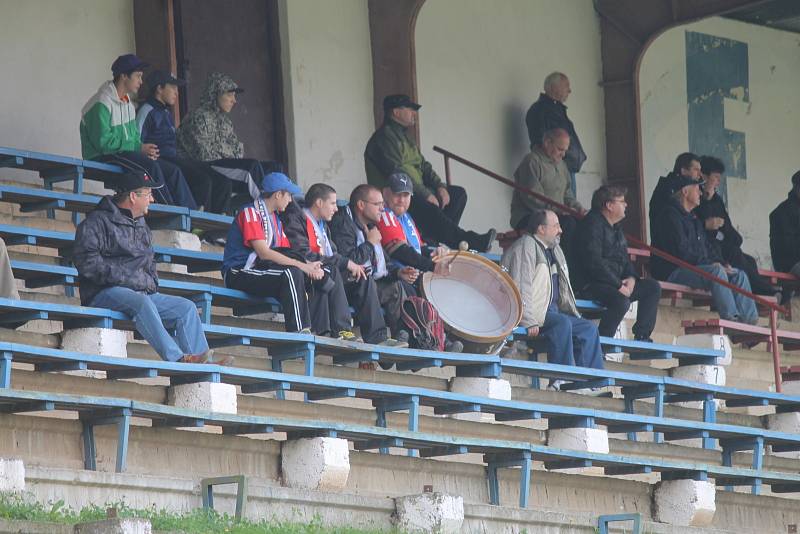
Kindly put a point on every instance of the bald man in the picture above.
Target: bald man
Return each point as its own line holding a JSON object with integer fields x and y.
{"x": 544, "y": 171}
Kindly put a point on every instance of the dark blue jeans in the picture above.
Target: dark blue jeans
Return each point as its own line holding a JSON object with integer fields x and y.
{"x": 571, "y": 340}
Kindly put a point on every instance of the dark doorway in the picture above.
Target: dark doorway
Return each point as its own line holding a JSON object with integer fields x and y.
{"x": 239, "y": 39}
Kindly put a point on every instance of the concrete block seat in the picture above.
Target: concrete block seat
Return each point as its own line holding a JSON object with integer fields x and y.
{"x": 62, "y": 241}
{"x": 159, "y": 216}
{"x": 742, "y": 333}
{"x": 95, "y": 411}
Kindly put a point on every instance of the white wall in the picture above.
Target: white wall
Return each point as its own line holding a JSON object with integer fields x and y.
{"x": 54, "y": 56}
{"x": 327, "y": 75}
{"x": 480, "y": 65}
{"x": 769, "y": 121}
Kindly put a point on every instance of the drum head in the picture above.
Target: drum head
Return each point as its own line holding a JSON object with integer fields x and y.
{"x": 478, "y": 301}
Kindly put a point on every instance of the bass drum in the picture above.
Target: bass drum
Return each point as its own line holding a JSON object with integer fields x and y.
{"x": 477, "y": 301}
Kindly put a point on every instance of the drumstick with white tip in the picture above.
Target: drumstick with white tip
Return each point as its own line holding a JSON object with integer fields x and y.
{"x": 461, "y": 246}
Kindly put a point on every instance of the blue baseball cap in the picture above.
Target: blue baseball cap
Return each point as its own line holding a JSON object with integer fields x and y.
{"x": 127, "y": 63}
{"x": 277, "y": 181}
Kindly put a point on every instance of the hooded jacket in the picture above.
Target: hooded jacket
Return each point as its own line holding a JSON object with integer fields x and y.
{"x": 112, "y": 249}
{"x": 295, "y": 224}
{"x": 527, "y": 264}
{"x": 604, "y": 253}
{"x": 784, "y": 233}
{"x": 207, "y": 132}
{"x": 108, "y": 124}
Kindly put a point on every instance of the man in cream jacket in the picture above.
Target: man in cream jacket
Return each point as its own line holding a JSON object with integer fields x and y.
{"x": 537, "y": 265}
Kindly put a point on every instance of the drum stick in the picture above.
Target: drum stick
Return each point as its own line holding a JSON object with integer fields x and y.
{"x": 461, "y": 246}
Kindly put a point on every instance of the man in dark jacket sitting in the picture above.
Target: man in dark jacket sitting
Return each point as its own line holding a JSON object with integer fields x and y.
{"x": 605, "y": 273}
{"x": 686, "y": 165}
{"x": 784, "y": 231}
{"x": 354, "y": 231}
{"x": 114, "y": 257}
{"x": 720, "y": 232}
{"x": 683, "y": 235}
{"x": 309, "y": 234}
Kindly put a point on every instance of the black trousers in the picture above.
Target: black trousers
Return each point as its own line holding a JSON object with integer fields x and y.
{"x": 363, "y": 297}
{"x": 176, "y": 191}
{"x": 210, "y": 189}
{"x": 441, "y": 225}
{"x": 646, "y": 291}
{"x": 760, "y": 285}
{"x": 568, "y": 224}
{"x": 287, "y": 284}
{"x": 391, "y": 294}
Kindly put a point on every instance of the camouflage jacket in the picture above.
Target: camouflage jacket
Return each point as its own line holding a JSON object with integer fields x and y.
{"x": 206, "y": 134}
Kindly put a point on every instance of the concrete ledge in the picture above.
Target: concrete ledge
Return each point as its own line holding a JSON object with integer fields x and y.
{"x": 579, "y": 439}
{"x": 115, "y": 526}
{"x": 177, "y": 239}
{"x": 685, "y": 503}
{"x": 12, "y": 474}
{"x": 438, "y": 513}
{"x": 785, "y": 422}
{"x": 315, "y": 463}
{"x": 204, "y": 396}
{"x": 708, "y": 341}
{"x": 103, "y": 341}
{"x": 491, "y": 388}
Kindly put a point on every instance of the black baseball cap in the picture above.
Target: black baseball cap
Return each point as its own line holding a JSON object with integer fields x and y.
{"x": 400, "y": 182}
{"x": 133, "y": 180}
{"x": 679, "y": 182}
{"x": 127, "y": 63}
{"x": 399, "y": 101}
{"x": 161, "y": 77}
{"x": 796, "y": 178}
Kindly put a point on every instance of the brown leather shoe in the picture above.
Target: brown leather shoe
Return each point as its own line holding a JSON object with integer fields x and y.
{"x": 208, "y": 358}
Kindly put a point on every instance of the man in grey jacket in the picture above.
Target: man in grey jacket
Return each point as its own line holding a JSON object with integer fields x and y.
{"x": 537, "y": 265}
{"x": 116, "y": 265}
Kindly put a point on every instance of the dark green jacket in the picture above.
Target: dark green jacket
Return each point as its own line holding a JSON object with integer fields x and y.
{"x": 390, "y": 150}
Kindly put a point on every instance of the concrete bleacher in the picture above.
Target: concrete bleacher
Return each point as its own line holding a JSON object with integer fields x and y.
{"x": 123, "y": 433}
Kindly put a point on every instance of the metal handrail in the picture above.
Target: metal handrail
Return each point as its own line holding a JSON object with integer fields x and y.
{"x": 773, "y": 307}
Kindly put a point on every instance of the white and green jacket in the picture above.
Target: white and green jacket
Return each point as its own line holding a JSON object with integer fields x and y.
{"x": 108, "y": 124}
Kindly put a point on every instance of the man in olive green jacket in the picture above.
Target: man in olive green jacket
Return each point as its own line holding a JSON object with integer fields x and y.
{"x": 536, "y": 263}
{"x": 435, "y": 206}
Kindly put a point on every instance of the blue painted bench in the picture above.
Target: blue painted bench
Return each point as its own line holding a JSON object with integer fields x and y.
{"x": 62, "y": 241}
{"x": 497, "y": 454}
{"x": 160, "y": 216}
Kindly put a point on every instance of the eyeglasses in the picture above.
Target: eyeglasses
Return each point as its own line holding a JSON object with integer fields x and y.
{"x": 143, "y": 193}
{"x": 376, "y": 203}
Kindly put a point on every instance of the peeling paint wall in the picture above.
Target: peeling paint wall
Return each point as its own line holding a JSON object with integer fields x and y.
{"x": 327, "y": 76}
{"x": 765, "y": 112}
{"x": 480, "y": 65}
{"x": 54, "y": 57}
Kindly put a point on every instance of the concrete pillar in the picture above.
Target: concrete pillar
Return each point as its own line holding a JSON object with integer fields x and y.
{"x": 708, "y": 341}
{"x": 315, "y": 463}
{"x": 704, "y": 374}
{"x": 204, "y": 397}
{"x": 437, "y": 513}
{"x": 685, "y": 503}
{"x": 579, "y": 439}
{"x": 490, "y": 388}
{"x": 176, "y": 239}
{"x": 788, "y": 423}
{"x": 12, "y": 474}
{"x": 115, "y": 526}
{"x": 102, "y": 341}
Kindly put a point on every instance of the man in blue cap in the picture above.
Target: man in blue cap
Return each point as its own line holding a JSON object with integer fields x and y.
{"x": 116, "y": 265}
{"x": 257, "y": 258}
{"x": 210, "y": 189}
{"x": 109, "y": 133}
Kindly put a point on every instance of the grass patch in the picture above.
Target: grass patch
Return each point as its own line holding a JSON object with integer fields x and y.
{"x": 24, "y": 507}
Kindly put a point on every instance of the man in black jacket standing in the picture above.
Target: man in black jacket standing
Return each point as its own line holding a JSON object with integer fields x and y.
{"x": 784, "y": 231}
{"x": 115, "y": 260}
{"x": 548, "y": 113}
{"x": 605, "y": 273}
